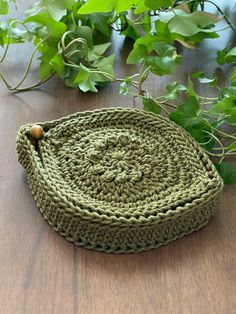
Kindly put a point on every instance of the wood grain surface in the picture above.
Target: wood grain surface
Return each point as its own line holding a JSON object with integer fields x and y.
{"x": 41, "y": 272}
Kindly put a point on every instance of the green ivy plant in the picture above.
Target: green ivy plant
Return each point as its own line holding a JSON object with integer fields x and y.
{"x": 72, "y": 37}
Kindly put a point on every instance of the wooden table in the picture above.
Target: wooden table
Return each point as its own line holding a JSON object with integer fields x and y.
{"x": 40, "y": 272}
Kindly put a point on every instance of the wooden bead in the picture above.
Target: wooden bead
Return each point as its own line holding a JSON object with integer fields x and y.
{"x": 36, "y": 132}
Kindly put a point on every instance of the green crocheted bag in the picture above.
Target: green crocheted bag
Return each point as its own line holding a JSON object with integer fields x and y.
{"x": 118, "y": 180}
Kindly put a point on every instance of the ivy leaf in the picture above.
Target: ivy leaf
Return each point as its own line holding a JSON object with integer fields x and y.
{"x": 86, "y": 33}
{"x": 157, "y": 4}
{"x": 173, "y": 89}
{"x": 231, "y": 53}
{"x": 140, "y": 6}
{"x": 163, "y": 49}
{"x": 190, "y": 90}
{"x": 226, "y": 55}
{"x": 97, "y": 51}
{"x": 3, "y": 7}
{"x": 224, "y": 106}
{"x": 146, "y": 41}
{"x": 188, "y": 24}
{"x": 46, "y": 68}
{"x": 232, "y": 146}
{"x": 105, "y": 6}
{"x": 233, "y": 115}
{"x": 162, "y": 65}
{"x": 56, "y": 8}
{"x": 221, "y": 56}
{"x": 166, "y": 60}
{"x": 201, "y": 132}
{"x": 57, "y": 63}
{"x": 3, "y": 38}
{"x": 146, "y": 23}
{"x": 69, "y": 75}
{"x": 193, "y": 6}
{"x": 55, "y": 28}
{"x": 130, "y": 31}
{"x": 150, "y": 105}
{"x": 199, "y": 37}
{"x": 125, "y": 86}
{"x": 17, "y": 35}
{"x": 187, "y": 114}
{"x": 227, "y": 172}
{"x": 96, "y": 6}
{"x": 106, "y": 65}
{"x": 137, "y": 55}
{"x": 163, "y": 34}
{"x": 47, "y": 50}
{"x": 101, "y": 49}
{"x": 229, "y": 91}
{"x": 121, "y": 5}
{"x": 233, "y": 76}
{"x": 100, "y": 22}
{"x": 85, "y": 80}
{"x": 204, "y": 80}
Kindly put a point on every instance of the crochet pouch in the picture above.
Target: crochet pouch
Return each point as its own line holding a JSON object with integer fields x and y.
{"x": 118, "y": 180}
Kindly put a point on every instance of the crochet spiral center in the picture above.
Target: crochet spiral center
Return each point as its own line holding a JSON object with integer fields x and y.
{"x": 129, "y": 164}
{"x": 114, "y": 158}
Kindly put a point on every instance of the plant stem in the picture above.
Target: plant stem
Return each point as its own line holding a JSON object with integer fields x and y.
{"x": 208, "y": 98}
{"x": 219, "y": 155}
{"x": 73, "y": 18}
{"x": 205, "y": 97}
{"x": 9, "y": 37}
{"x": 134, "y": 84}
{"x": 221, "y": 12}
{"x": 168, "y": 104}
{"x": 140, "y": 79}
{"x": 218, "y": 141}
{"x": 222, "y": 29}
{"x": 6, "y": 49}
{"x": 223, "y": 134}
{"x": 160, "y": 105}
{"x": 9, "y": 86}
{"x": 17, "y": 90}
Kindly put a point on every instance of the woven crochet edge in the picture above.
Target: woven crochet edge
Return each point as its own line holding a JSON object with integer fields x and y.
{"x": 124, "y": 251}
{"x": 147, "y": 248}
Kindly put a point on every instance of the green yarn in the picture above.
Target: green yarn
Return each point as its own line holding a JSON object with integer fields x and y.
{"x": 119, "y": 180}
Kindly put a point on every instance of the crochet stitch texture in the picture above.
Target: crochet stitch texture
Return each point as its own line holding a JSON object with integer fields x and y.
{"x": 119, "y": 180}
